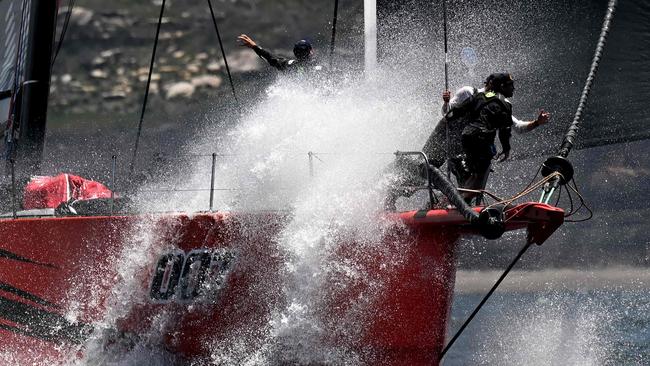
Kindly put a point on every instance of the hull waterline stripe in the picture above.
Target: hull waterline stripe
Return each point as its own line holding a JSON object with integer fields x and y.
{"x": 16, "y": 257}
{"x": 16, "y": 330}
{"x": 26, "y": 295}
{"x": 40, "y": 323}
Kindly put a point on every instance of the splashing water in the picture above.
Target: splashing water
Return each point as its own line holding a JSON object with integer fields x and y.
{"x": 550, "y": 328}
{"x": 316, "y": 149}
{"x": 352, "y": 131}
{"x": 352, "y": 128}
{"x": 130, "y": 263}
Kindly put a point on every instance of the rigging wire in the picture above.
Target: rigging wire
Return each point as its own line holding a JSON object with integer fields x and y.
{"x": 223, "y": 53}
{"x": 570, "y": 202}
{"x": 333, "y": 41}
{"x": 444, "y": 25}
{"x": 445, "y": 107}
{"x": 534, "y": 177}
{"x": 582, "y": 204}
{"x": 146, "y": 91}
{"x": 527, "y": 190}
{"x": 572, "y": 132}
{"x": 573, "y": 211}
{"x": 484, "y": 300}
{"x": 63, "y": 30}
{"x": 482, "y": 191}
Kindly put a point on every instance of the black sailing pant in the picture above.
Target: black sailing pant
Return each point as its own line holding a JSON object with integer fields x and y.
{"x": 479, "y": 150}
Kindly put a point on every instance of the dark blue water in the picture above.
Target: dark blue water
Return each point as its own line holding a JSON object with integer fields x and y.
{"x": 598, "y": 327}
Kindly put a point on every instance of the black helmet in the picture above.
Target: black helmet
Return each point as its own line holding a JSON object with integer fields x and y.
{"x": 498, "y": 79}
{"x": 302, "y": 49}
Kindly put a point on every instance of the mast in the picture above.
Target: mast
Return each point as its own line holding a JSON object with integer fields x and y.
{"x": 35, "y": 88}
{"x": 370, "y": 35}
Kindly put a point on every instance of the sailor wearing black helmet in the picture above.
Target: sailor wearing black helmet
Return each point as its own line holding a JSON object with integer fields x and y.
{"x": 459, "y": 112}
{"x": 467, "y": 92}
{"x": 490, "y": 115}
{"x": 302, "y": 50}
{"x": 456, "y": 112}
{"x": 474, "y": 117}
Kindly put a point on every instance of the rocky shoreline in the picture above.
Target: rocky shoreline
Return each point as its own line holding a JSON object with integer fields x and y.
{"x": 115, "y": 75}
{"x": 104, "y": 59}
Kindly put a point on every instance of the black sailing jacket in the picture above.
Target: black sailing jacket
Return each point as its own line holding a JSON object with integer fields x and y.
{"x": 286, "y": 64}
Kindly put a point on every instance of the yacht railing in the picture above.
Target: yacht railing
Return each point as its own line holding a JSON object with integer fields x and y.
{"x": 167, "y": 160}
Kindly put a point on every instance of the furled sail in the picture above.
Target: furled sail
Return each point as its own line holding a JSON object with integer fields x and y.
{"x": 13, "y": 32}
{"x": 10, "y": 24}
{"x": 30, "y": 81}
{"x": 547, "y": 47}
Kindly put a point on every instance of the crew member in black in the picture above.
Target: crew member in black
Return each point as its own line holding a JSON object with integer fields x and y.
{"x": 491, "y": 115}
{"x": 302, "y": 50}
{"x": 474, "y": 118}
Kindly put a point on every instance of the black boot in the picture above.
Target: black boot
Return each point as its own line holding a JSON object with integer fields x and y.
{"x": 458, "y": 167}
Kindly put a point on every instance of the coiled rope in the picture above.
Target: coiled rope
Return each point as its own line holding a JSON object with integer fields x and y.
{"x": 571, "y": 134}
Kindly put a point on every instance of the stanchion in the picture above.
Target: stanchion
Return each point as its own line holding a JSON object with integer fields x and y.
{"x": 113, "y": 167}
{"x": 214, "y": 162}
{"x": 13, "y": 187}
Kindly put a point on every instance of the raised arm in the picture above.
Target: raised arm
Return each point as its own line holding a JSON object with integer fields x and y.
{"x": 526, "y": 126}
{"x": 278, "y": 62}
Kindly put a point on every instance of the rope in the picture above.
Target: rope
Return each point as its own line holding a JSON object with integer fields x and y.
{"x": 485, "y": 299}
{"x": 146, "y": 91}
{"x": 450, "y": 191}
{"x": 582, "y": 204}
{"x": 528, "y": 190}
{"x": 482, "y": 191}
{"x": 572, "y": 133}
{"x": 223, "y": 53}
{"x": 63, "y": 30}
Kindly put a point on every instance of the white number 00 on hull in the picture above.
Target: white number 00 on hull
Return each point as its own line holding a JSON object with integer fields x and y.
{"x": 196, "y": 276}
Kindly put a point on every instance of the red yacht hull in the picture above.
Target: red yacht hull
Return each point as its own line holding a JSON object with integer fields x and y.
{"x": 203, "y": 277}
